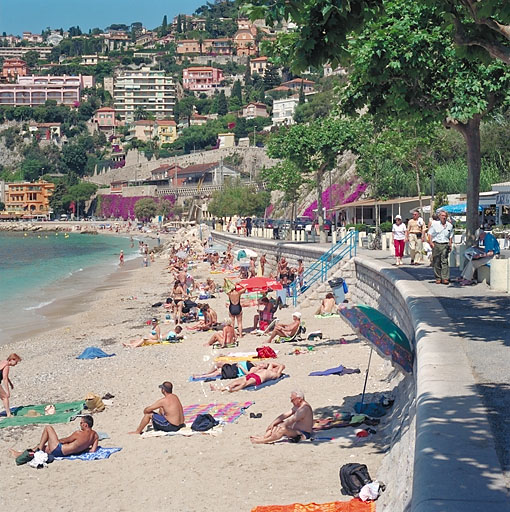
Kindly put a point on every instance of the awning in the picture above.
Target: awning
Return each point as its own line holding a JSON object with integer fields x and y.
{"x": 380, "y": 202}
{"x": 457, "y": 208}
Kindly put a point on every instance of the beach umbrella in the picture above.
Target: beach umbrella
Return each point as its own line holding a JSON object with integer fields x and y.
{"x": 382, "y": 335}
{"x": 245, "y": 253}
{"x": 260, "y": 284}
{"x": 181, "y": 254}
{"x": 456, "y": 209}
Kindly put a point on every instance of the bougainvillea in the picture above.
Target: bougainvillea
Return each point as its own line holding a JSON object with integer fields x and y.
{"x": 335, "y": 196}
{"x": 115, "y": 206}
{"x": 269, "y": 211}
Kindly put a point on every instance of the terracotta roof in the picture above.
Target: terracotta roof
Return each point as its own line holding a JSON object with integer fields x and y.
{"x": 259, "y": 59}
{"x": 198, "y": 168}
{"x": 280, "y": 88}
{"x": 262, "y": 105}
{"x": 105, "y": 109}
{"x": 299, "y": 80}
{"x": 199, "y": 68}
{"x": 144, "y": 122}
{"x": 166, "y": 122}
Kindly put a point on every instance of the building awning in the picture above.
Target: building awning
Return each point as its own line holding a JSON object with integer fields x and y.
{"x": 380, "y": 202}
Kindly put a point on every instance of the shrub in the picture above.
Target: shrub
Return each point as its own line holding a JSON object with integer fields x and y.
{"x": 386, "y": 226}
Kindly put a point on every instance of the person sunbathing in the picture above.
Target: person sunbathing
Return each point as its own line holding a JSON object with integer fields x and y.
{"x": 295, "y": 424}
{"x": 210, "y": 320}
{"x": 225, "y": 337}
{"x": 84, "y": 440}
{"x": 263, "y": 373}
{"x": 286, "y": 330}
{"x": 169, "y": 416}
{"x": 153, "y": 338}
{"x": 174, "y": 335}
{"x": 327, "y": 306}
{"x": 243, "y": 368}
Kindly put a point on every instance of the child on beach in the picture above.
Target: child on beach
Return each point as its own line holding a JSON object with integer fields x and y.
{"x": 5, "y": 381}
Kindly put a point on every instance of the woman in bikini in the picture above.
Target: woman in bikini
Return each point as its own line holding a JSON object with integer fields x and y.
{"x": 5, "y": 382}
{"x": 178, "y": 296}
{"x": 235, "y": 309}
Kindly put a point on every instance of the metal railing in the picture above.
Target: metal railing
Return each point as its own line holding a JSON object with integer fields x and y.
{"x": 318, "y": 271}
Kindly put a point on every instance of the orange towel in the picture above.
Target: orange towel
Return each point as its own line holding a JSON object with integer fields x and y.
{"x": 355, "y": 505}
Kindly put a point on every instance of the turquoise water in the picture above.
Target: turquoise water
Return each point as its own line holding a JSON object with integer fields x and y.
{"x": 38, "y": 269}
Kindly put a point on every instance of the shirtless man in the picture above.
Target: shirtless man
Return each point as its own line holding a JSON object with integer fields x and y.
{"x": 296, "y": 424}
{"x": 169, "y": 416}
{"x": 84, "y": 440}
{"x": 256, "y": 377}
{"x": 286, "y": 330}
{"x": 225, "y": 337}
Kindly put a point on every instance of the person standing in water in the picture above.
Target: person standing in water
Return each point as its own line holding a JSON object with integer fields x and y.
{"x": 121, "y": 258}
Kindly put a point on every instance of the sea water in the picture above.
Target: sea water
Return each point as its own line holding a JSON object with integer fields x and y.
{"x": 37, "y": 269}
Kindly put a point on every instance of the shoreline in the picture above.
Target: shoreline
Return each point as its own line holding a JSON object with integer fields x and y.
{"x": 51, "y": 373}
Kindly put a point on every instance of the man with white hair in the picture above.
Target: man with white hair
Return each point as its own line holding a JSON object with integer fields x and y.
{"x": 295, "y": 424}
{"x": 481, "y": 257}
{"x": 286, "y": 330}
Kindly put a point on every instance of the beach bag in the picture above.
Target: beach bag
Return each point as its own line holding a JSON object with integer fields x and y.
{"x": 353, "y": 477}
{"x": 266, "y": 352}
{"x": 94, "y": 403}
{"x": 204, "y": 422}
{"x": 25, "y": 457}
{"x": 229, "y": 371}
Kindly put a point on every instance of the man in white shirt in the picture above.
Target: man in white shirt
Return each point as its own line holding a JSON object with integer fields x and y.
{"x": 440, "y": 239}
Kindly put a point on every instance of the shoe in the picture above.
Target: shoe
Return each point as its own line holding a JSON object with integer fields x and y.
{"x": 445, "y": 281}
{"x": 438, "y": 281}
{"x": 412, "y": 262}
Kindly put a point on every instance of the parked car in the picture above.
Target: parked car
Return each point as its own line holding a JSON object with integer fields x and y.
{"x": 328, "y": 225}
{"x": 300, "y": 223}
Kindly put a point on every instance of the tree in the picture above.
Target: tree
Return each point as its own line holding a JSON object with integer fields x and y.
{"x": 164, "y": 23}
{"x": 237, "y": 92}
{"x": 165, "y": 208}
{"x": 31, "y": 58}
{"x": 79, "y": 194}
{"x": 222, "y": 104}
{"x": 141, "y": 113}
{"x": 313, "y": 149}
{"x": 185, "y": 109}
{"x": 271, "y": 77}
{"x": 75, "y": 157}
{"x": 238, "y": 199}
{"x": 145, "y": 209}
{"x": 2, "y": 206}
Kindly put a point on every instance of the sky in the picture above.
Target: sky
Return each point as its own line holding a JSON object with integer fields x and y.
{"x": 17, "y": 16}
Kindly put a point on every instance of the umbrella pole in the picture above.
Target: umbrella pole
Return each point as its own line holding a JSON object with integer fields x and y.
{"x": 366, "y": 379}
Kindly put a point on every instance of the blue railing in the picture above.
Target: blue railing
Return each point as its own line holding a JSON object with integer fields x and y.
{"x": 319, "y": 269}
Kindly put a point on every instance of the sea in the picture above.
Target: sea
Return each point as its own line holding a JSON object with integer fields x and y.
{"x": 39, "y": 269}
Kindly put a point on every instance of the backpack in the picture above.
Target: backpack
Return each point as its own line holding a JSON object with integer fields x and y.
{"x": 229, "y": 371}
{"x": 266, "y": 352}
{"x": 204, "y": 422}
{"x": 353, "y": 477}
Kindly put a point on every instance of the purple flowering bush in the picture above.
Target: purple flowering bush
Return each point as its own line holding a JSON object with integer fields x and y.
{"x": 115, "y": 206}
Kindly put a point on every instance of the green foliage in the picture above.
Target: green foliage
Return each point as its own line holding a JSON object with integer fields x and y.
{"x": 2, "y": 206}
{"x": 271, "y": 77}
{"x": 31, "y": 58}
{"x": 285, "y": 177}
{"x": 222, "y": 104}
{"x": 357, "y": 227}
{"x": 165, "y": 207}
{"x": 386, "y": 226}
{"x": 238, "y": 199}
{"x": 440, "y": 199}
{"x": 145, "y": 209}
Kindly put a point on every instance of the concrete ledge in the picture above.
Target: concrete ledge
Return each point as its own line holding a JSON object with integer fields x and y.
{"x": 456, "y": 467}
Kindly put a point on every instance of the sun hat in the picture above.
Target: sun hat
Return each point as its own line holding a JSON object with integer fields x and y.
{"x": 297, "y": 314}
{"x": 398, "y": 217}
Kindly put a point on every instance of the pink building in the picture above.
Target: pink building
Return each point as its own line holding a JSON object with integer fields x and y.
{"x": 201, "y": 78}
{"x": 185, "y": 46}
{"x": 253, "y": 110}
{"x": 36, "y": 90}
{"x": 14, "y": 67}
{"x": 104, "y": 119}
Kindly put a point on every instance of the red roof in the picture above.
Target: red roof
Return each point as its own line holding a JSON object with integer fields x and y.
{"x": 299, "y": 81}
{"x": 259, "y": 59}
{"x": 166, "y": 122}
{"x": 105, "y": 109}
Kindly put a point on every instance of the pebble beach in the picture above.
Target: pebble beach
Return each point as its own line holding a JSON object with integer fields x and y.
{"x": 224, "y": 472}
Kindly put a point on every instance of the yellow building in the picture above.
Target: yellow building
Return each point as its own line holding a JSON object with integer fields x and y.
{"x": 27, "y": 200}
{"x": 166, "y": 131}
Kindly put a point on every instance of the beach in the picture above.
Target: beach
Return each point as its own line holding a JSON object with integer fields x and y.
{"x": 224, "y": 472}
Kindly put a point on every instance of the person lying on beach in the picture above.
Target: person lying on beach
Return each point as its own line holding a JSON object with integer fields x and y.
{"x": 5, "y": 381}
{"x": 84, "y": 440}
{"x": 166, "y": 413}
{"x": 225, "y": 337}
{"x": 295, "y": 424}
{"x": 210, "y": 320}
{"x": 328, "y": 305}
{"x": 243, "y": 368}
{"x": 153, "y": 338}
{"x": 286, "y": 330}
{"x": 263, "y": 373}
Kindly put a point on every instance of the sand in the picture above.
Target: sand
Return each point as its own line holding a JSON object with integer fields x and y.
{"x": 222, "y": 473}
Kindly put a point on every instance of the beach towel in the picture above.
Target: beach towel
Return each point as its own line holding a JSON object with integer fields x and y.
{"x": 339, "y": 370}
{"x": 93, "y": 353}
{"x": 64, "y": 411}
{"x": 186, "y": 431}
{"x": 199, "y": 379}
{"x": 159, "y": 343}
{"x": 355, "y": 505}
{"x": 328, "y": 315}
{"x": 233, "y": 357}
{"x": 373, "y": 409}
{"x": 267, "y": 383}
{"x": 228, "y": 413}
{"x": 343, "y": 419}
{"x": 100, "y": 454}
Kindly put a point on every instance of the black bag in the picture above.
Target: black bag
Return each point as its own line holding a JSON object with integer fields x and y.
{"x": 353, "y": 477}
{"x": 229, "y": 371}
{"x": 204, "y": 422}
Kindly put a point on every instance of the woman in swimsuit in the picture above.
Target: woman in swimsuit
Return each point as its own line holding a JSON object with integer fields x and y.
{"x": 235, "y": 309}
{"x": 178, "y": 295}
{"x": 5, "y": 382}
{"x": 152, "y": 339}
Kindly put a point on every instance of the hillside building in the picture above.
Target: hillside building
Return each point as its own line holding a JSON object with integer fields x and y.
{"x": 14, "y": 67}
{"x": 27, "y": 200}
{"x": 201, "y": 78}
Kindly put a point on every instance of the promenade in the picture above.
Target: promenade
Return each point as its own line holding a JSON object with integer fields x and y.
{"x": 462, "y": 456}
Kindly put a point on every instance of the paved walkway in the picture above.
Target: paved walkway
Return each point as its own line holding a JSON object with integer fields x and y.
{"x": 481, "y": 317}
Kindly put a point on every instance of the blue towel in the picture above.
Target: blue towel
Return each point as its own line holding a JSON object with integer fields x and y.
{"x": 93, "y": 353}
{"x": 99, "y": 454}
{"x": 198, "y": 379}
{"x": 339, "y": 370}
{"x": 372, "y": 409}
{"x": 267, "y": 383}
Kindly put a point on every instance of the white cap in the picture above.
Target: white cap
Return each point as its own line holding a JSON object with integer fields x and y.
{"x": 398, "y": 217}
{"x": 297, "y": 314}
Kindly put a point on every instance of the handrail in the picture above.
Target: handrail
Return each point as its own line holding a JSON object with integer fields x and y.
{"x": 319, "y": 269}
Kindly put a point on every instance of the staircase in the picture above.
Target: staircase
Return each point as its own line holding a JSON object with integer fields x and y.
{"x": 321, "y": 268}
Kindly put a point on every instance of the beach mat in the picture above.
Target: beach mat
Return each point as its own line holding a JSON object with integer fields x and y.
{"x": 63, "y": 413}
{"x": 186, "y": 432}
{"x": 267, "y": 383}
{"x": 338, "y": 370}
{"x": 93, "y": 353}
{"x": 328, "y": 315}
{"x": 355, "y": 505}
{"x": 100, "y": 454}
{"x": 228, "y": 413}
{"x": 203, "y": 379}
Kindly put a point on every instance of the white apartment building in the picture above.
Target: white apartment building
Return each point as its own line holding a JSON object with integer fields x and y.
{"x": 146, "y": 89}
{"x": 283, "y": 110}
